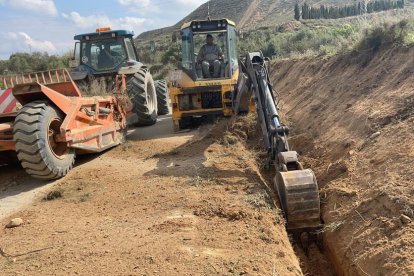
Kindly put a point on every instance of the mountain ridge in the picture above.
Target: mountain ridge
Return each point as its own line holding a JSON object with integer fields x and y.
{"x": 248, "y": 14}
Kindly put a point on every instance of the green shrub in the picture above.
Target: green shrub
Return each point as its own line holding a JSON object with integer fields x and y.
{"x": 384, "y": 36}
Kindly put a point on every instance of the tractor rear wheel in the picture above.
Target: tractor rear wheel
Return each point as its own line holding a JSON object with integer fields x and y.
{"x": 162, "y": 97}
{"x": 141, "y": 90}
{"x": 35, "y": 131}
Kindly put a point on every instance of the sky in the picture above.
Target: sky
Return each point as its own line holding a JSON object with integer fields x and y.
{"x": 49, "y": 25}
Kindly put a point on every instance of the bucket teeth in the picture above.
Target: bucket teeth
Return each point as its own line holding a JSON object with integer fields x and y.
{"x": 299, "y": 198}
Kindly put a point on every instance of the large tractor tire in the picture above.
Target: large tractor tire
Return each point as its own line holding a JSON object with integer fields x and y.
{"x": 35, "y": 129}
{"x": 141, "y": 90}
{"x": 162, "y": 97}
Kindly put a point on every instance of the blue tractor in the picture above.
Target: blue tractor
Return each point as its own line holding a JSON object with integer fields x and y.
{"x": 106, "y": 53}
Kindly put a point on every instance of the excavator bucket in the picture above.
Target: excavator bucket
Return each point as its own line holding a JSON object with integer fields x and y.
{"x": 299, "y": 197}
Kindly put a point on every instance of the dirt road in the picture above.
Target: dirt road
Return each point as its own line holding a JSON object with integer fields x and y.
{"x": 178, "y": 204}
{"x": 18, "y": 190}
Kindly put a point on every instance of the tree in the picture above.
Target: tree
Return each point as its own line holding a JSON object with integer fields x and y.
{"x": 297, "y": 12}
{"x": 36, "y": 61}
{"x": 305, "y": 11}
{"x": 358, "y": 8}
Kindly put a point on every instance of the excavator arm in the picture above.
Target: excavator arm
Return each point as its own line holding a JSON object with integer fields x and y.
{"x": 297, "y": 188}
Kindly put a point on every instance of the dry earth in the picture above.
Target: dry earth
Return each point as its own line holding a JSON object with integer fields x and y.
{"x": 185, "y": 204}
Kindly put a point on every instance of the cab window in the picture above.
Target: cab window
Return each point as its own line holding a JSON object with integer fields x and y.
{"x": 130, "y": 49}
{"x": 186, "y": 50}
{"x": 103, "y": 54}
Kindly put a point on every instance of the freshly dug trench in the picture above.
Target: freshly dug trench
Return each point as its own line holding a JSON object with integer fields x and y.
{"x": 308, "y": 246}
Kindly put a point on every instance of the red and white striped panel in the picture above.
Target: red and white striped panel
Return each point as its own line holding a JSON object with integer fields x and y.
{"x": 7, "y": 101}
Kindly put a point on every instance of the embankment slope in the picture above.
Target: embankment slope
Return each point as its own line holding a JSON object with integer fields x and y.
{"x": 352, "y": 120}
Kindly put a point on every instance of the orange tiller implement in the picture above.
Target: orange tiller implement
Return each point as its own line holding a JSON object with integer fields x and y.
{"x": 55, "y": 122}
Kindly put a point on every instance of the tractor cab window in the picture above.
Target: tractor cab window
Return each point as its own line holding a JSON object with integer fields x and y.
{"x": 233, "y": 56}
{"x": 130, "y": 49}
{"x": 211, "y": 55}
{"x": 76, "y": 53}
{"x": 103, "y": 55}
{"x": 186, "y": 50}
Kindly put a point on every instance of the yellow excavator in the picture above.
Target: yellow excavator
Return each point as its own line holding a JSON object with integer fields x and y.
{"x": 228, "y": 85}
{"x": 195, "y": 93}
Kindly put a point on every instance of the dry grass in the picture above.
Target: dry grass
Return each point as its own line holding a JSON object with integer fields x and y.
{"x": 202, "y": 179}
{"x": 166, "y": 153}
{"x": 52, "y": 195}
{"x": 332, "y": 227}
{"x": 259, "y": 200}
{"x": 99, "y": 87}
{"x": 96, "y": 87}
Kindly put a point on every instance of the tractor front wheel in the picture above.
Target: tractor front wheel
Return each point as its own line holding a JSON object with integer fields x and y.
{"x": 141, "y": 90}
{"x": 35, "y": 132}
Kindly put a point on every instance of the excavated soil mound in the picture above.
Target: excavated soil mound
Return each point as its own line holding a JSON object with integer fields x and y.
{"x": 353, "y": 124}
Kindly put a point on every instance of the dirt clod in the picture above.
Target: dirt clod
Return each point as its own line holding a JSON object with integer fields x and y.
{"x": 54, "y": 195}
{"x": 14, "y": 223}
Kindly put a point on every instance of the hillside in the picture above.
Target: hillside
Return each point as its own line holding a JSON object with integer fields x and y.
{"x": 232, "y": 9}
{"x": 248, "y": 14}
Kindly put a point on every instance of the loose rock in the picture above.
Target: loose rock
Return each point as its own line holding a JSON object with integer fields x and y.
{"x": 405, "y": 219}
{"x": 375, "y": 135}
{"x": 14, "y": 223}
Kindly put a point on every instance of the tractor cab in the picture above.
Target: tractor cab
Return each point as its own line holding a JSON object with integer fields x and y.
{"x": 103, "y": 52}
{"x": 209, "y": 49}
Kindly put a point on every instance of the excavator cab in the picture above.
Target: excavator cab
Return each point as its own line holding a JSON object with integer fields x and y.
{"x": 211, "y": 42}
{"x": 208, "y": 73}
